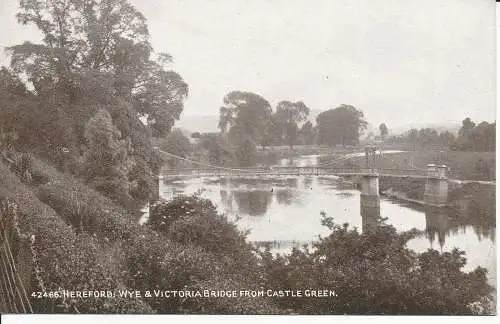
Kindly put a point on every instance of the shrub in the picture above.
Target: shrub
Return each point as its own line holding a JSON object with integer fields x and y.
{"x": 156, "y": 263}
{"x": 374, "y": 273}
{"x": 105, "y": 156}
{"x": 194, "y": 220}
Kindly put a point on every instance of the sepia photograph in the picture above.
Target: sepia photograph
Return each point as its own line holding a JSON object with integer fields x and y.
{"x": 248, "y": 157}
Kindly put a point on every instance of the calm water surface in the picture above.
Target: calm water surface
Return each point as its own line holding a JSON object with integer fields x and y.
{"x": 284, "y": 212}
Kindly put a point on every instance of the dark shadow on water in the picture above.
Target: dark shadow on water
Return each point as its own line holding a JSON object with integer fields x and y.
{"x": 287, "y": 197}
{"x": 252, "y": 203}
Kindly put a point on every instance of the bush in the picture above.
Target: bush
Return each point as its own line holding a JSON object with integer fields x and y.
{"x": 374, "y": 273}
{"x": 88, "y": 211}
{"x": 194, "y": 220}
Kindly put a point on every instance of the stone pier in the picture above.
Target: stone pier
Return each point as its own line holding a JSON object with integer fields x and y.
{"x": 370, "y": 196}
{"x": 436, "y": 186}
{"x": 369, "y": 202}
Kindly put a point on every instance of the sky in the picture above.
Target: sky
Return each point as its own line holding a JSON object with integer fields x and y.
{"x": 400, "y": 62}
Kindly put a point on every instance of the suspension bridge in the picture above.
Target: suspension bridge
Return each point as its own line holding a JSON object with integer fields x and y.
{"x": 436, "y": 176}
{"x": 201, "y": 169}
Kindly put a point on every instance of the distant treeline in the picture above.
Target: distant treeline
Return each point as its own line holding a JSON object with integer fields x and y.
{"x": 247, "y": 121}
{"x": 471, "y": 137}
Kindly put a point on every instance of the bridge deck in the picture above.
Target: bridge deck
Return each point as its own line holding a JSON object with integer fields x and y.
{"x": 292, "y": 171}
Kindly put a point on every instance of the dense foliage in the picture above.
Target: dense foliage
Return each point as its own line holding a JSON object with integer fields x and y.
{"x": 94, "y": 56}
{"x": 374, "y": 273}
{"x": 175, "y": 143}
{"x": 470, "y": 137}
{"x": 340, "y": 126}
{"x": 289, "y": 116}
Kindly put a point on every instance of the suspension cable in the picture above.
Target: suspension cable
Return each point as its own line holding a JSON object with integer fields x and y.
{"x": 201, "y": 163}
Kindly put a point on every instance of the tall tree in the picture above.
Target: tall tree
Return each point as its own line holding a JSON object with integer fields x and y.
{"x": 105, "y": 156}
{"x": 383, "y": 130}
{"x": 447, "y": 139}
{"x": 272, "y": 134}
{"x": 91, "y": 41}
{"x": 342, "y": 125}
{"x": 176, "y": 143}
{"x": 289, "y": 116}
{"x": 484, "y": 137}
{"x": 245, "y": 114}
{"x": 465, "y": 141}
{"x": 307, "y": 133}
{"x": 96, "y": 54}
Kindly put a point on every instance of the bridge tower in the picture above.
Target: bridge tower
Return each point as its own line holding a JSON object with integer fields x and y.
{"x": 369, "y": 190}
{"x": 370, "y": 157}
{"x": 436, "y": 186}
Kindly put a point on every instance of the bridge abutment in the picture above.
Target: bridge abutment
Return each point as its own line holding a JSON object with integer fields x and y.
{"x": 436, "y": 186}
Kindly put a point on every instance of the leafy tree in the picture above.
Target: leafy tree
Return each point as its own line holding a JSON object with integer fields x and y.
{"x": 244, "y": 114}
{"x": 95, "y": 53}
{"x": 176, "y": 143}
{"x": 272, "y": 134}
{"x": 447, "y": 139}
{"x": 106, "y": 155}
{"x": 428, "y": 137}
{"x": 465, "y": 141}
{"x": 246, "y": 152}
{"x": 288, "y": 116}
{"x": 99, "y": 40}
{"x": 13, "y": 97}
{"x": 383, "y": 130}
{"x": 467, "y": 126}
{"x": 484, "y": 137}
{"x": 218, "y": 151}
{"x": 342, "y": 125}
{"x": 307, "y": 133}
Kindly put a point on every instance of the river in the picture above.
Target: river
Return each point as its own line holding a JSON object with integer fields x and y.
{"x": 284, "y": 212}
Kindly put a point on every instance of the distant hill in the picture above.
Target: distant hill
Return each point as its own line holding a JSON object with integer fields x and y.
{"x": 198, "y": 123}
{"x": 439, "y": 127}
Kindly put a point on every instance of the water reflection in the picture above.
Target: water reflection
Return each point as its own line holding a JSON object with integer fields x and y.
{"x": 441, "y": 224}
{"x": 287, "y": 196}
{"x": 253, "y": 203}
{"x": 370, "y": 218}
